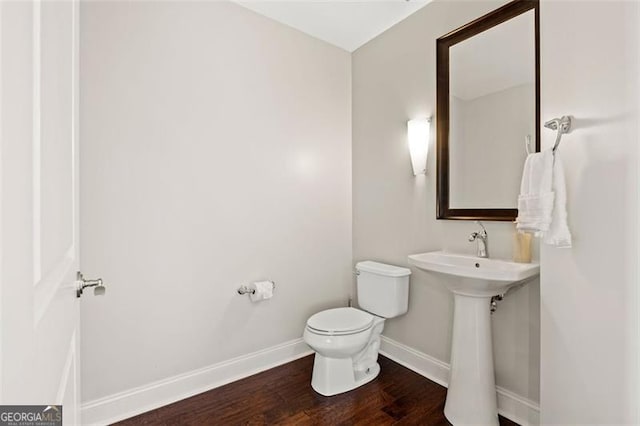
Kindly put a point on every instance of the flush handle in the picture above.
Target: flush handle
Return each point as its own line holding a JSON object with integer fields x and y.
{"x": 82, "y": 283}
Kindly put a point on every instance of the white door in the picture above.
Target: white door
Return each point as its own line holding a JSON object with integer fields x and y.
{"x": 39, "y": 333}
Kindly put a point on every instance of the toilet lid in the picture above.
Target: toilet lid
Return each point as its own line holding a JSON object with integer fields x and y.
{"x": 340, "y": 321}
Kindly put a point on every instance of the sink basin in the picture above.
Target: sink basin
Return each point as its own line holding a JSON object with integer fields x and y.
{"x": 474, "y": 281}
{"x": 480, "y": 276}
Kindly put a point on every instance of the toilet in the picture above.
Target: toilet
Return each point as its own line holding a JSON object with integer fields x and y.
{"x": 347, "y": 340}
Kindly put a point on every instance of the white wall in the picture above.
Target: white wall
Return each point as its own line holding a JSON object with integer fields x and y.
{"x": 215, "y": 151}
{"x": 589, "y": 293}
{"x": 496, "y": 123}
{"x": 394, "y": 213}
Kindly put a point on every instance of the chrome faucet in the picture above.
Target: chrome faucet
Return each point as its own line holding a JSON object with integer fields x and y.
{"x": 481, "y": 239}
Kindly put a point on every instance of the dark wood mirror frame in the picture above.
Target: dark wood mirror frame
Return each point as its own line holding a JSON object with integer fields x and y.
{"x": 490, "y": 20}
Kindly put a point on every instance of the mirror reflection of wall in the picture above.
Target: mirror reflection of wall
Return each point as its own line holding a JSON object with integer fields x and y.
{"x": 492, "y": 110}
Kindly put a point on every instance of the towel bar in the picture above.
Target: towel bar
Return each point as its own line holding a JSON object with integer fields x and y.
{"x": 562, "y": 125}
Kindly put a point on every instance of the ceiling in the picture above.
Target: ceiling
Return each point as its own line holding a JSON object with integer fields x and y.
{"x": 344, "y": 23}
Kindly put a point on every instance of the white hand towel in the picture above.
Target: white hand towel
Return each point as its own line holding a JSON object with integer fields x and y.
{"x": 535, "y": 203}
{"x": 558, "y": 234}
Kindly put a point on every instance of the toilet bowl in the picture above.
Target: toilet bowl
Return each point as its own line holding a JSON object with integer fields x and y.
{"x": 347, "y": 340}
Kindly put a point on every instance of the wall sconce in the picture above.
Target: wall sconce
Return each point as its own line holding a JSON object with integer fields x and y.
{"x": 418, "y": 138}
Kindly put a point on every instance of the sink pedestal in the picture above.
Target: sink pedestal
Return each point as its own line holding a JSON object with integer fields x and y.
{"x": 471, "y": 397}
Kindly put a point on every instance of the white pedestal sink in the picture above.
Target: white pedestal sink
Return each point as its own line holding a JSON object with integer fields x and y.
{"x": 471, "y": 396}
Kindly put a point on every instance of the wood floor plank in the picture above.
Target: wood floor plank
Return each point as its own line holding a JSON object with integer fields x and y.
{"x": 283, "y": 396}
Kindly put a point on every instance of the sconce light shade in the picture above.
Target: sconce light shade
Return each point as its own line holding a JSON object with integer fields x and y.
{"x": 418, "y": 138}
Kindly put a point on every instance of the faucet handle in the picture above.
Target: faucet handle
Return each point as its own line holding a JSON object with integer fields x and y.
{"x": 484, "y": 231}
{"x": 473, "y": 237}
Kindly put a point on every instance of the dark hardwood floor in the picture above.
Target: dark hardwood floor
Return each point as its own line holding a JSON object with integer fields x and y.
{"x": 283, "y": 396}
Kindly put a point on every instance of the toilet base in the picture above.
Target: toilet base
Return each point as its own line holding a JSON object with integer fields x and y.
{"x": 332, "y": 376}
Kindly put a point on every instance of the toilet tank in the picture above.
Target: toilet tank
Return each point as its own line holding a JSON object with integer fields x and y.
{"x": 383, "y": 289}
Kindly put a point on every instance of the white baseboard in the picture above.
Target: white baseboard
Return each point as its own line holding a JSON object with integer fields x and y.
{"x": 136, "y": 401}
{"x": 423, "y": 364}
{"x": 510, "y": 405}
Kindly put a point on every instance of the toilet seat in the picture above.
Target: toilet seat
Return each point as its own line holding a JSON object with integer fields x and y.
{"x": 340, "y": 322}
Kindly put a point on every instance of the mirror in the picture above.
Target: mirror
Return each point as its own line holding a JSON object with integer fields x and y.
{"x": 488, "y": 107}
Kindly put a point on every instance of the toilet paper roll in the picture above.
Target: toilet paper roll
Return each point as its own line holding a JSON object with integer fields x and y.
{"x": 264, "y": 290}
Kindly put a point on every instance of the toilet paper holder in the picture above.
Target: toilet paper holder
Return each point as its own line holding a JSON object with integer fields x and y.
{"x": 245, "y": 289}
